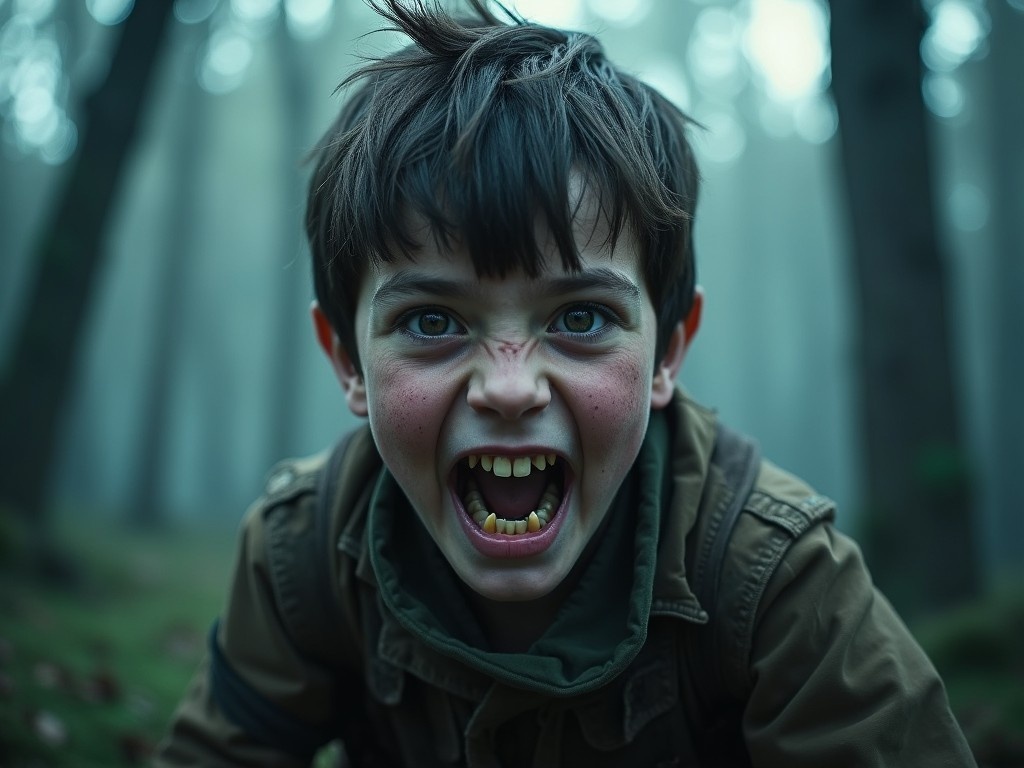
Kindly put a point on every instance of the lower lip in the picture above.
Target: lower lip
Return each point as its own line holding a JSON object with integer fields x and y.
{"x": 498, "y": 545}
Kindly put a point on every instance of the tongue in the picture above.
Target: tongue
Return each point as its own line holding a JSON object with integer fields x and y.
{"x": 511, "y": 498}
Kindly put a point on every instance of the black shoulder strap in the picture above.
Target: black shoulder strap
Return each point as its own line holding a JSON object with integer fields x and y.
{"x": 739, "y": 460}
{"x": 301, "y": 568}
{"x": 322, "y": 573}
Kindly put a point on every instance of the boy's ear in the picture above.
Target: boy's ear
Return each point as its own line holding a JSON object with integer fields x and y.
{"x": 664, "y": 384}
{"x": 344, "y": 369}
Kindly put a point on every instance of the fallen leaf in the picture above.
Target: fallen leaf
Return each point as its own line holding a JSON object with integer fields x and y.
{"x": 101, "y": 688}
{"x": 49, "y": 728}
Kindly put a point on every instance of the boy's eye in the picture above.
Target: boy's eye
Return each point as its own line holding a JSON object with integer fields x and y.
{"x": 431, "y": 322}
{"x": 580, "y": 318}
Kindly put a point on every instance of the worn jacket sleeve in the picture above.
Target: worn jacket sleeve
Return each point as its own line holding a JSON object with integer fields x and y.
{"x": 255, "y": 700}
{"x": 836, "y": 679}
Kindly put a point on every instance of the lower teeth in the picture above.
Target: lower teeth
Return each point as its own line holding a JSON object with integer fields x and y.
{"x": 491, "y": 523}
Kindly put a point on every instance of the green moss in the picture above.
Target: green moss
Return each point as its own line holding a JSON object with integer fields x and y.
{"x": 979, "y": 652}
{"x": 105, "y": 660}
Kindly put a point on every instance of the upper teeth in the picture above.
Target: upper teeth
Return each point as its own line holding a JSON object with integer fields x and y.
{"x": 511, "y": 466}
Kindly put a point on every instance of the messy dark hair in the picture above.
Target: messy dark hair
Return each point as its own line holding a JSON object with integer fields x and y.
{"x": 478, "y": 128}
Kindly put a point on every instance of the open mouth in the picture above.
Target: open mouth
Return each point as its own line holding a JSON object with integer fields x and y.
{"x": 511, "y": 495}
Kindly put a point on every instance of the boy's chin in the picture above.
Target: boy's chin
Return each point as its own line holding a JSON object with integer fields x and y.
{"x": 517, "y": 588}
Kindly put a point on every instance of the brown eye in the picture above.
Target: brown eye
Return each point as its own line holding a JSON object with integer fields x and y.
{"x": 431, "y": 322}
{"x": 580, "y": 319}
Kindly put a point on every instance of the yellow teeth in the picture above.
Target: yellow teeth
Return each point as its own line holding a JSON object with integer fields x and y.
{"x": 491, "y": 523}
{"x": 511, "y": 466}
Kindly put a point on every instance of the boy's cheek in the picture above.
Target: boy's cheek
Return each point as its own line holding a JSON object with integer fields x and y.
{"x": 405, "y": 405}
{"x": 623, "y": 387}
{"x": 616, "y": 396}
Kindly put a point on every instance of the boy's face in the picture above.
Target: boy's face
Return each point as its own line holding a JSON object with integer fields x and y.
{"x": 457, "y": 368}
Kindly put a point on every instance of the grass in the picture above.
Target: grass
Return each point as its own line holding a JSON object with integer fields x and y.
{"x": 89, "y": 675}
{"x": 979, "y": 652}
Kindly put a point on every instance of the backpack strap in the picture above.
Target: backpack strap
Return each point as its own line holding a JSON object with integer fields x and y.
{"x": 296, "y": 514}
{"x": 738, "y": 460}
{"x": 319, "y": 612}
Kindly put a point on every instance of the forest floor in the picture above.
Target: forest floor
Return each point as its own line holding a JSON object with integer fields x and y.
{"x": 90, "y": 673}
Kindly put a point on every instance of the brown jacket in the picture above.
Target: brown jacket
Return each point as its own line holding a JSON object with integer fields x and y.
{"x": 811, "y": 665}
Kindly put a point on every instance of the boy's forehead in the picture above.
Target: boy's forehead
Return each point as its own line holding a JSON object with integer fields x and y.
{"x": 591, "y": 231}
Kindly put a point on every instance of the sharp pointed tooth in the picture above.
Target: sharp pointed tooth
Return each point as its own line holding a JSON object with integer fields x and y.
{"x": 533, "y": 523}
{"x": 551, "y": 459}
{"x": 486, "y": 462}
{"x": 472, "y": 460}
{"x": 502, "y": 466}
{"x": 539, "y": 461}
{"x": 490, "y": 523}
{"x": 521, "y": 466}
{"x": 521, "y": 526}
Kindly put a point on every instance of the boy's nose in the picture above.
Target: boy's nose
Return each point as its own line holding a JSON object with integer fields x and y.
{"x": 511, "y": 388}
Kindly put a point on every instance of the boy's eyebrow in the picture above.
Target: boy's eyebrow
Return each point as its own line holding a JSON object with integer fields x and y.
{"x": 599, "y": 277}
{"x": 407, "y": 283}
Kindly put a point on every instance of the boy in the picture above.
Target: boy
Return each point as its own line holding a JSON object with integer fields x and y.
{"x": 539, "y": 552}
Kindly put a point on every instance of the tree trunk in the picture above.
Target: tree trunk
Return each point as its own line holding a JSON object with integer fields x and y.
{"x": 36, "y": 379}
{"x": 1007, "y": 195}
{"x": 917, "y": 493}
{"x": 175, "y": 251}
{"x": 294, "y": 283}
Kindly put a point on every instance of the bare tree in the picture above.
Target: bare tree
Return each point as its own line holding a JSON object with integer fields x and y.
{"x": 35, "y": 380}
{"x": 1006, "y": 121}
{"x": 917, "y": 490}
{"x": 175, "y": 253}
{"x": 289, "y": 313}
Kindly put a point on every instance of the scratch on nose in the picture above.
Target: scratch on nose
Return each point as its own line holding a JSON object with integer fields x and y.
{"x": 510, "y": 350}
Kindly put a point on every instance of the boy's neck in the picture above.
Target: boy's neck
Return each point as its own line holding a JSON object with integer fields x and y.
{"x": 514, "y": 626}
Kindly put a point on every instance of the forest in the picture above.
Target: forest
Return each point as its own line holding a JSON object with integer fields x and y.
{"x": 860, "y": 244}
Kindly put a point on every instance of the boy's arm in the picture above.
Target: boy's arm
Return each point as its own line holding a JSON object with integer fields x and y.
{"x": 837, "y": 679}
{"x": 255, "y": 700}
